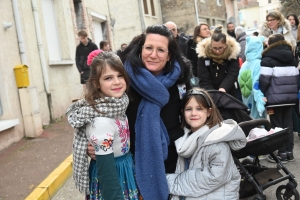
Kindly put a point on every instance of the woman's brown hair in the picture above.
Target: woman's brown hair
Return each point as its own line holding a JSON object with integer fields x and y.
{"x": 218, "y": 35}
{"x": 276, "y": 15}
{"x": 98, "y": 67}
{"x": 197, "y": 31}
{"x": 205, "y": 101}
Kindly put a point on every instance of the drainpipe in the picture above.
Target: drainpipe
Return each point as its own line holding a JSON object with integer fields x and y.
{"x": 19, "y": 31}
{"x": 41, "y": 54}
{"x": 197, "y": 14}
{"x": 141, "y": 15}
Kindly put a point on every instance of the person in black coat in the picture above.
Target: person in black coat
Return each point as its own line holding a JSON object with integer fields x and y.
{"x": 85, "y": 47}
{"x": 200, "y": 32}
{"x": 279, "y": 83}
{"x": 218, "y": 65}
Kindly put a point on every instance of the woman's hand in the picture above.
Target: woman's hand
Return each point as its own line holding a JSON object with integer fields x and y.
{"x": 91, "y": 151}
{"x": 222, "y": 90}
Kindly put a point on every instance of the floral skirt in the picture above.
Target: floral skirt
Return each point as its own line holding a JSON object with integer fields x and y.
{"x": 125, "y": 170}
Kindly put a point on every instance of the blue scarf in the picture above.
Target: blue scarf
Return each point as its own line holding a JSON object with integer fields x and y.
{"x": 151, "y": 140}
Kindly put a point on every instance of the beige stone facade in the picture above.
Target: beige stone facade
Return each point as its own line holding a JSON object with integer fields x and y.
{"x": 184, "y": 13}
{"x": 42, "y": 34}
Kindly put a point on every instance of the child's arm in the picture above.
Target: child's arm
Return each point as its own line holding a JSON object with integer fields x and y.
{"x": 258, "y": 95}
{"x": 102, "y": 138}
{"x": 202, "y": 181}
{"x": 108, "y": 178}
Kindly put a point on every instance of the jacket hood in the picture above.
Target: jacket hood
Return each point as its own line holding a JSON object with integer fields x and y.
{"x": 229, "y": 132}
{"x": 281, "y": 51}
{"x": 266, "y": 31}
{"x": 235, "y": 47}
{"x": 241, "y": 37}
{"x": 89, "y": 42}
{"x": 254, "y": 47}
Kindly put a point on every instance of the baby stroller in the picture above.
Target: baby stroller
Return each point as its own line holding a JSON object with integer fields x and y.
{"x": 255, "y": 178}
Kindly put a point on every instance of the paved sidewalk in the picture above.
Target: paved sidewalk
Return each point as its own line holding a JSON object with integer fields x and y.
{"x": 25, "y": 164}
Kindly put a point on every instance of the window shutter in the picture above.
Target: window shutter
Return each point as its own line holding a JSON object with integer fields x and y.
{"x": 51, "y": 30}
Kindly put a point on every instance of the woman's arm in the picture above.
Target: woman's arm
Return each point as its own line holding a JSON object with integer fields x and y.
{"x": 202, "y": 181}
{"x": 231, "y": 76}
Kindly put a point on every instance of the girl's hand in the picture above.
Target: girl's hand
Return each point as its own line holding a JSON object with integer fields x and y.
{"x": 222, "y": 90}
{"x": 91, "y": 151}
{"x": 265, "y": 99}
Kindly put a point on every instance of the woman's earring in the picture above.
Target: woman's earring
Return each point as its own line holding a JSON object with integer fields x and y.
{"x": 169, "y": 63}
{"x": 140, "y": 56}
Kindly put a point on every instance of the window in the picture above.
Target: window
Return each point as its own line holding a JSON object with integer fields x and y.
{"x": 269, "y": 1}
{"x": 152, "y": 8}
{"x": 51, "y": 30}
{"x": 145, "y": 7}
{"x": 78, "y": 12}
{"x": 219, "y": 2}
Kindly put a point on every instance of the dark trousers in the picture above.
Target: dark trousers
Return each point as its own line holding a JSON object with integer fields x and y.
{"x": 283, "y": 117}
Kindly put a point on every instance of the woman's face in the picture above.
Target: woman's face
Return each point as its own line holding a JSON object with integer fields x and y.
{"x": 273, "y": 23}
{"x": 218, "y": 48}
{"x": 155, "y": 53}
{"x": 204, "y": 31}
{"x": 292, "y": 20}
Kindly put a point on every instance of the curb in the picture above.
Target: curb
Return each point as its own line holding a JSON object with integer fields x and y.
{"x": 47, "y": 188}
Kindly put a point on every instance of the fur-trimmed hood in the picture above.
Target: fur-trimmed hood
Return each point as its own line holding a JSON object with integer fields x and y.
{"x": 235, "y": 47}
{"x": 276, "y": 44}
{"x": 266, "y": 31}
{"x": 279, "y": 52}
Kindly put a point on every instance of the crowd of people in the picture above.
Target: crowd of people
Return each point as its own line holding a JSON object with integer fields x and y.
{"x": 150, "y": 127}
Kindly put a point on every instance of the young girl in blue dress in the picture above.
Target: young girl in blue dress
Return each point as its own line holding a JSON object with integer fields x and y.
{"x": 100, "y": 119}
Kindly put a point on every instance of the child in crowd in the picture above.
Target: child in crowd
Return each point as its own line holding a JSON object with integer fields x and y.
{"x": 205, "y": 167}
{"x": 249, "y": 78}
{"x": 100, "y": 119}
{"x": 279, "y": 83}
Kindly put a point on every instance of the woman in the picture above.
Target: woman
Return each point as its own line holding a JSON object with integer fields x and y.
{"x": 218, "y": 64}
{"x": 159, "y": 78}
{"x": 275, "y": 23}
{"x": 294, "y": 24}
{"x": 200, "y": 32}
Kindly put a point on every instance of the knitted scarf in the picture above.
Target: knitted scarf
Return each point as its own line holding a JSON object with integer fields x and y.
{"x": 218, "y": 58}
{"x": 79, "y": 114}
{"x": 151, "y": 140}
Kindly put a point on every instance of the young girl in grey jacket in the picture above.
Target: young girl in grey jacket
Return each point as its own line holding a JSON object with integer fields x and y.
{"x": 205, "y": 167}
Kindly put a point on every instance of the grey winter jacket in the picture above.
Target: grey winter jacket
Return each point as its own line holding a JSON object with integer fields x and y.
{"x": 211, "y": 173}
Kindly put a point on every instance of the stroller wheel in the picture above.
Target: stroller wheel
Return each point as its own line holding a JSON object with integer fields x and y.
{"x": 283, "y": 192}
{"x": 247, "y": 161}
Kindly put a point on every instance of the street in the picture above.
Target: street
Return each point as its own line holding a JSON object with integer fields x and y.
{"x": 68, "y": 191}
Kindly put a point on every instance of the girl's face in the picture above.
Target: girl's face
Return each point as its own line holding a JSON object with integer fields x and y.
{"x": 155, "y": 53}
{"x": 204, "y": 31}
{"x": 112, "y": 83}
{"x": 292, "y": 20}
{"x": 195, "y": 115}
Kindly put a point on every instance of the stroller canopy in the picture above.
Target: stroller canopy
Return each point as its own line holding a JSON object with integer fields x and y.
{"x": 230, "y": 107}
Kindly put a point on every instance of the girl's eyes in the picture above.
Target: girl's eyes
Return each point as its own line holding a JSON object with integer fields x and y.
{"x": 107, "y": 78}
{"x": 199, "y": 108}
